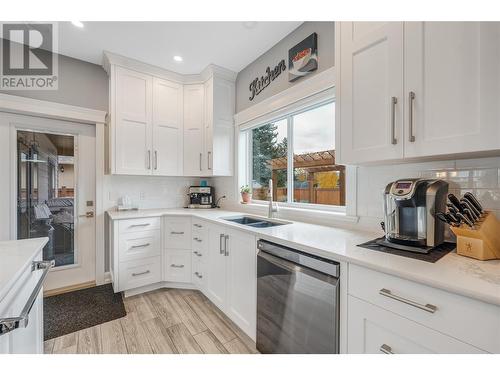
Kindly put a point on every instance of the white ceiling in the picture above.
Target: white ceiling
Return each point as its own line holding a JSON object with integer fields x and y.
{"x": 232, "y": 45}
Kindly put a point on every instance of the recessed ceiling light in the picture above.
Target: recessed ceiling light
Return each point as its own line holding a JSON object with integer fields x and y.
{"x": 77, "y": 23}
{"x": 178, "y": 58}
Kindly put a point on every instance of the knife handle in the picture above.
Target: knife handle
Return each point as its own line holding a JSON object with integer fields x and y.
{"x": 473, "y": 200}
{"x": 465, "y": 219}
{"x": 454, "y": 200}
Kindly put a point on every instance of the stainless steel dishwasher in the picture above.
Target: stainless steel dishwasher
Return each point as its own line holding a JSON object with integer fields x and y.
{"x": 297, "y": 301}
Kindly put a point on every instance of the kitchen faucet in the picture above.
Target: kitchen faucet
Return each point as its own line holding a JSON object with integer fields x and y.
{"x": 272, "y": 209}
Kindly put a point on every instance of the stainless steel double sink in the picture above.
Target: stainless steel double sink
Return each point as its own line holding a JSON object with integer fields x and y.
{"x": 255, "y": 221}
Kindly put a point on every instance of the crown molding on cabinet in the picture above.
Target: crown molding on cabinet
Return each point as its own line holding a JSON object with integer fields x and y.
{"x": 110, "y": 58}
{"x": 321, "y": 82}
{"x": 43, "y": 108}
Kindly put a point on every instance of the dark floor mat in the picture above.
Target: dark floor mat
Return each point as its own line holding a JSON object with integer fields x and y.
{"x": 73, "y": 311}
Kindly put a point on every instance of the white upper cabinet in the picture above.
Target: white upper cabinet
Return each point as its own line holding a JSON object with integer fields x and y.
{"x": 193, "y": 130}
{"x": 168, "y": 107}
{"x": 132, "y": 122}
{"x": 165, "y": 124}
{"x": 433, "y": 92}
{"x": 371, "y": 85}
{"x": 452, "y": 74}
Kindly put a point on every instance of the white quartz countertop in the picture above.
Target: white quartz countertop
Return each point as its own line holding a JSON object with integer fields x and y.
{"x": 15, "y": 257}
{"x": 461, "y": 275}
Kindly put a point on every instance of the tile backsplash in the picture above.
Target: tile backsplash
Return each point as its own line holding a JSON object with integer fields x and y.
{"x": 479, "y": 176}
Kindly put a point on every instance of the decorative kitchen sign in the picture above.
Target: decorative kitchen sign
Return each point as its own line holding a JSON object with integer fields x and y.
{"x": 303, "y": 58}
{"x": 259, "y": 84}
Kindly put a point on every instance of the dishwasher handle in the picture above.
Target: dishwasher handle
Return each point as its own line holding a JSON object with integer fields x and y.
{"x": 295, "y": 268}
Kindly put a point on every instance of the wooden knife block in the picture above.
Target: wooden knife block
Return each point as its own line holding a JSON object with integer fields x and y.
{"x": 481, "y": 243}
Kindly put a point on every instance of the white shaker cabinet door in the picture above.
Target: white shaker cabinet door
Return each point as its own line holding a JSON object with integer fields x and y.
{"x": 168, "y": 134}
{"x": 194, "y": 159}
{"x": 216, "y": 272}
{"x": 370, "y": 91}
{"x": 133, "y": 112}
{"x": 242, "y": 281}
{"x": 452, "y": 82}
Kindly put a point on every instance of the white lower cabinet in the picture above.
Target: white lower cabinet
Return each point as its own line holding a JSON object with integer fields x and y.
{"x": 232, "y": 275}
{"x": 139, "y": 272}
{"x": 373, "y": 330}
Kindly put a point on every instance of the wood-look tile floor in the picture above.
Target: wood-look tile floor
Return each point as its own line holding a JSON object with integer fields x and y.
{"x": 162, "y": 321}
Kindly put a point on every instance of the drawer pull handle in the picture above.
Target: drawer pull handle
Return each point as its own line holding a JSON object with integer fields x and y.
{"x": 427, "y": 307}
{"x": 197, "y": 239}
{"x": 143, "y": 245}
{"x": 386, "y": 349}
{"x": 198, "y": 275}
{"x": 198, "y": 225}
{"x": 197, "y": 253}
{"x": 141, "y": 273}
{"x": 176, "y": 232}
{"x": 177, "y": 265}
{"x": 140, "y": 225}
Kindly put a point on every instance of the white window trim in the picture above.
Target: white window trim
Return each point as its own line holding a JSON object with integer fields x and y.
{"x": 315, "y": 91}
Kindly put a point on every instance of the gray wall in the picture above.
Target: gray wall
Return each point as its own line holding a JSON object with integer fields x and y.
{"x": 80, "y": 83}
{"x": 326, "y": 59}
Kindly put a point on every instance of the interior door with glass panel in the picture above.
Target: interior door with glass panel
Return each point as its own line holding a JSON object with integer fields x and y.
{"x": 56, "y": 195}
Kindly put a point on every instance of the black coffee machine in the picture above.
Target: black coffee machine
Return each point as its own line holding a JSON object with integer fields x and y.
{"x": 410, "y": 206}
{"x": 201, "y": 197}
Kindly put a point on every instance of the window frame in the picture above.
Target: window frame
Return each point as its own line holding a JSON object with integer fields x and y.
{"x": 245, "y": 151}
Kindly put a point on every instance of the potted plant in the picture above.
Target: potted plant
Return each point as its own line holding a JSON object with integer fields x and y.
{"x": 245, "y": 194}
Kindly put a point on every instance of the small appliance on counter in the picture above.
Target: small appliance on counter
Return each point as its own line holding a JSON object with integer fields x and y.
{"x": 201, "y": 197}
{"x": 410, "y": 207}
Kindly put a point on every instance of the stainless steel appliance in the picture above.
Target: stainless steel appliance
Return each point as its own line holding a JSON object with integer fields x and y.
{"x": 201, "y": 197}
{"x": 297, "y": 301}
{"x": 410, "y": 208}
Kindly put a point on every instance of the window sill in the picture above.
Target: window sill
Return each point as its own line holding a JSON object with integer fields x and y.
{"x": 313, "y": 216}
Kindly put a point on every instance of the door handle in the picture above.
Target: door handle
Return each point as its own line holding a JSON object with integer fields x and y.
{"x": 177, "y": 265}
{"x": 200, "y": 160}
{"x": 209, "y": 154}
{"x": 139, "y": 246}
{"x": 141, "y": 273}
{"x": 156, "y": 160}
{"x": 226, "y": 251}
{"x": 88, "y": 214}
{"x": 411, "y": 97}
{"x": 394, "y": 101}
{"x": 221, "y": 238}
{"x": 176, "y": 232}
{"x": 149, "y": 159}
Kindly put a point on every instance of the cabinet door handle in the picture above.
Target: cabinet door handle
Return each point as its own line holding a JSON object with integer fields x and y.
{"x": 427, "y": 307}
{"x": 141, "y": 273}
{"x": 209, "y": 154}
{"x": 386, "y": 349}
{"x": 177, "y": 265}
{"x": 198, "y": 275}
{"x": 411, "y": 98}
{"x": 394, "y": 101}
{"x": 176, "y": 232}
{"x": 149, "y": 159}
{"x": 197, "y": 239}
{"x": 197, "y": 254}
{"x": 198, "y": 225}
{"x": 221, "y": 238}
{"x": 137, "y": 246}
{"x": 156, "y": 160}
{"x": 226, "y": 250}
{"x": 201, "y": 155}
{"x": 139, "y": 225}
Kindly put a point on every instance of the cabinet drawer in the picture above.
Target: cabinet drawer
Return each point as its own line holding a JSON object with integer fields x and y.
{"x": 177, "y": 232}
{"x": 178, "y": 265}
{"x": 373, "y": 330}
{"x": 137, "y": 273}
{"x": 469, "y": 320}
{"x": 139, "y": 225}
{"x": 137, "y": 245}
{"x": 199, "y": 274}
